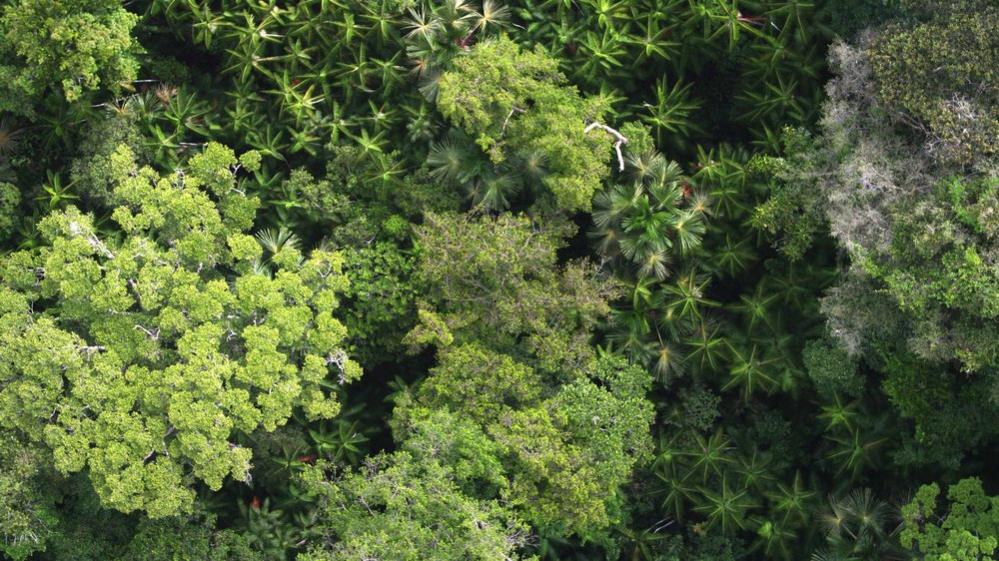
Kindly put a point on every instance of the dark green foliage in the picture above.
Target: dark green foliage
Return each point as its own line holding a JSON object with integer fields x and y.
{"x": 29, "y": 516}
{"x": 10, "y": 197}
{"x": 952, "y": 415}
{"x": 380, "y": 307}
{"x": 643, "y": 280}
{"x": 708, "y": 546}
{"x": 687, "y": 69}
{"x": 697, "y": 409}
{"x": 91, "y": 173}
{"x": 848, "y": 17}
{"x": 832, "y": 369}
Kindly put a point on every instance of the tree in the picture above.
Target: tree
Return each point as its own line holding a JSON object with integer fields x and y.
{"x": 516, "y": 104}
{"x": 76, "y": 45}
{"x": 396, "y": 507}
{"x": 942, "y": 74}
{"x": 937, "y": 268}
{"x": 793, "y": 213}
{"x": 952, "y": 414}
{"x": 561, "y": 461}
{"x": 10, "y": 197}
{"x": 894, "y": 125}
{"x": 859, "y": 526}
{"x": 28, "y": 515}
{"x": 498, "y": 280}
{"x": 832, "y": 369}
{"x": 380, "y": 300}
{"x": 652, "y": 221}
{"x": 139, "y": 354}
{"x": 193, "y": 537}
{"x": 903, "y": 174}
{"x": 966, "y": 529}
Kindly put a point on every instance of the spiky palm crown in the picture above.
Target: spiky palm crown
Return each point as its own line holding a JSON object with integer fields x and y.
{"x": 293, "y": 77}
{"x": 648, "y": 222}
{"x": 264, "y": 49}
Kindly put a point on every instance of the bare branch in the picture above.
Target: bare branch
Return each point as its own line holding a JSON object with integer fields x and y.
{"x": 619, "y": 140}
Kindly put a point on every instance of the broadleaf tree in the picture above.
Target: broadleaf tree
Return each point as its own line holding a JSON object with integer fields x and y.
{"x": 139, "y": 353}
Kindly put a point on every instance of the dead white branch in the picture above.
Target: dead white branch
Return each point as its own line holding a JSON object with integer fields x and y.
{"x": 619, "y": 140}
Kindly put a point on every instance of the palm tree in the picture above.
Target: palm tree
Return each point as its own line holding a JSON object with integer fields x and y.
{"x": 854, "y": 450}
{"x": 640, "y": 545}
{"x": 708, "y": 348}
{"x": 652, "y": 40}
{"x": 277, "y": 245}
{"x": 649, "y": 222}
{"x": 752, "y": 371}
{"x": 793, "y": 503}
{"x": 672, "y": 112}
{"x": 725, "y": 507}
{"x": 859, "y": 526}
{"x": 709, "y": 456}
{"x": 603, "y": 55}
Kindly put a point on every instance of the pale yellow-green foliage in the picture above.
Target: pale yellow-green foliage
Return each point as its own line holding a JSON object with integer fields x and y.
{"x": 138, "y": 356}
{"x": 74, "y": 45}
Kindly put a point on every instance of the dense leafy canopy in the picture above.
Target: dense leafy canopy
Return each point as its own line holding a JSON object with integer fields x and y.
{"x": 519, "y": 109}
{"x": 137, "y": 356}
{"x": 69, "y": 46}
{"x": 644, "y": 280}
{"x": 967, "y": 531}
{"x": 401, "y": 508}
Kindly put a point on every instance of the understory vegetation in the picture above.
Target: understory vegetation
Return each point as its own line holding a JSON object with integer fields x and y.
{"x": 456, "y": 280}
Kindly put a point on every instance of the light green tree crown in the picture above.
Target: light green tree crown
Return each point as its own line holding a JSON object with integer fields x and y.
{"x": 140, "y": 354}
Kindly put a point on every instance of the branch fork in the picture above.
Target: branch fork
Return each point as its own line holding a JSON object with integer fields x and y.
{"x": 618, "y": 142}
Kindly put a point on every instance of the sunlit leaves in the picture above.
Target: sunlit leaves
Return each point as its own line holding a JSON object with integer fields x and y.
{"x": 75, "y": 46}
{"x": 966, "y": 528}
{"x": 154, "y": 386}
{"x": 419, "y": 511}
